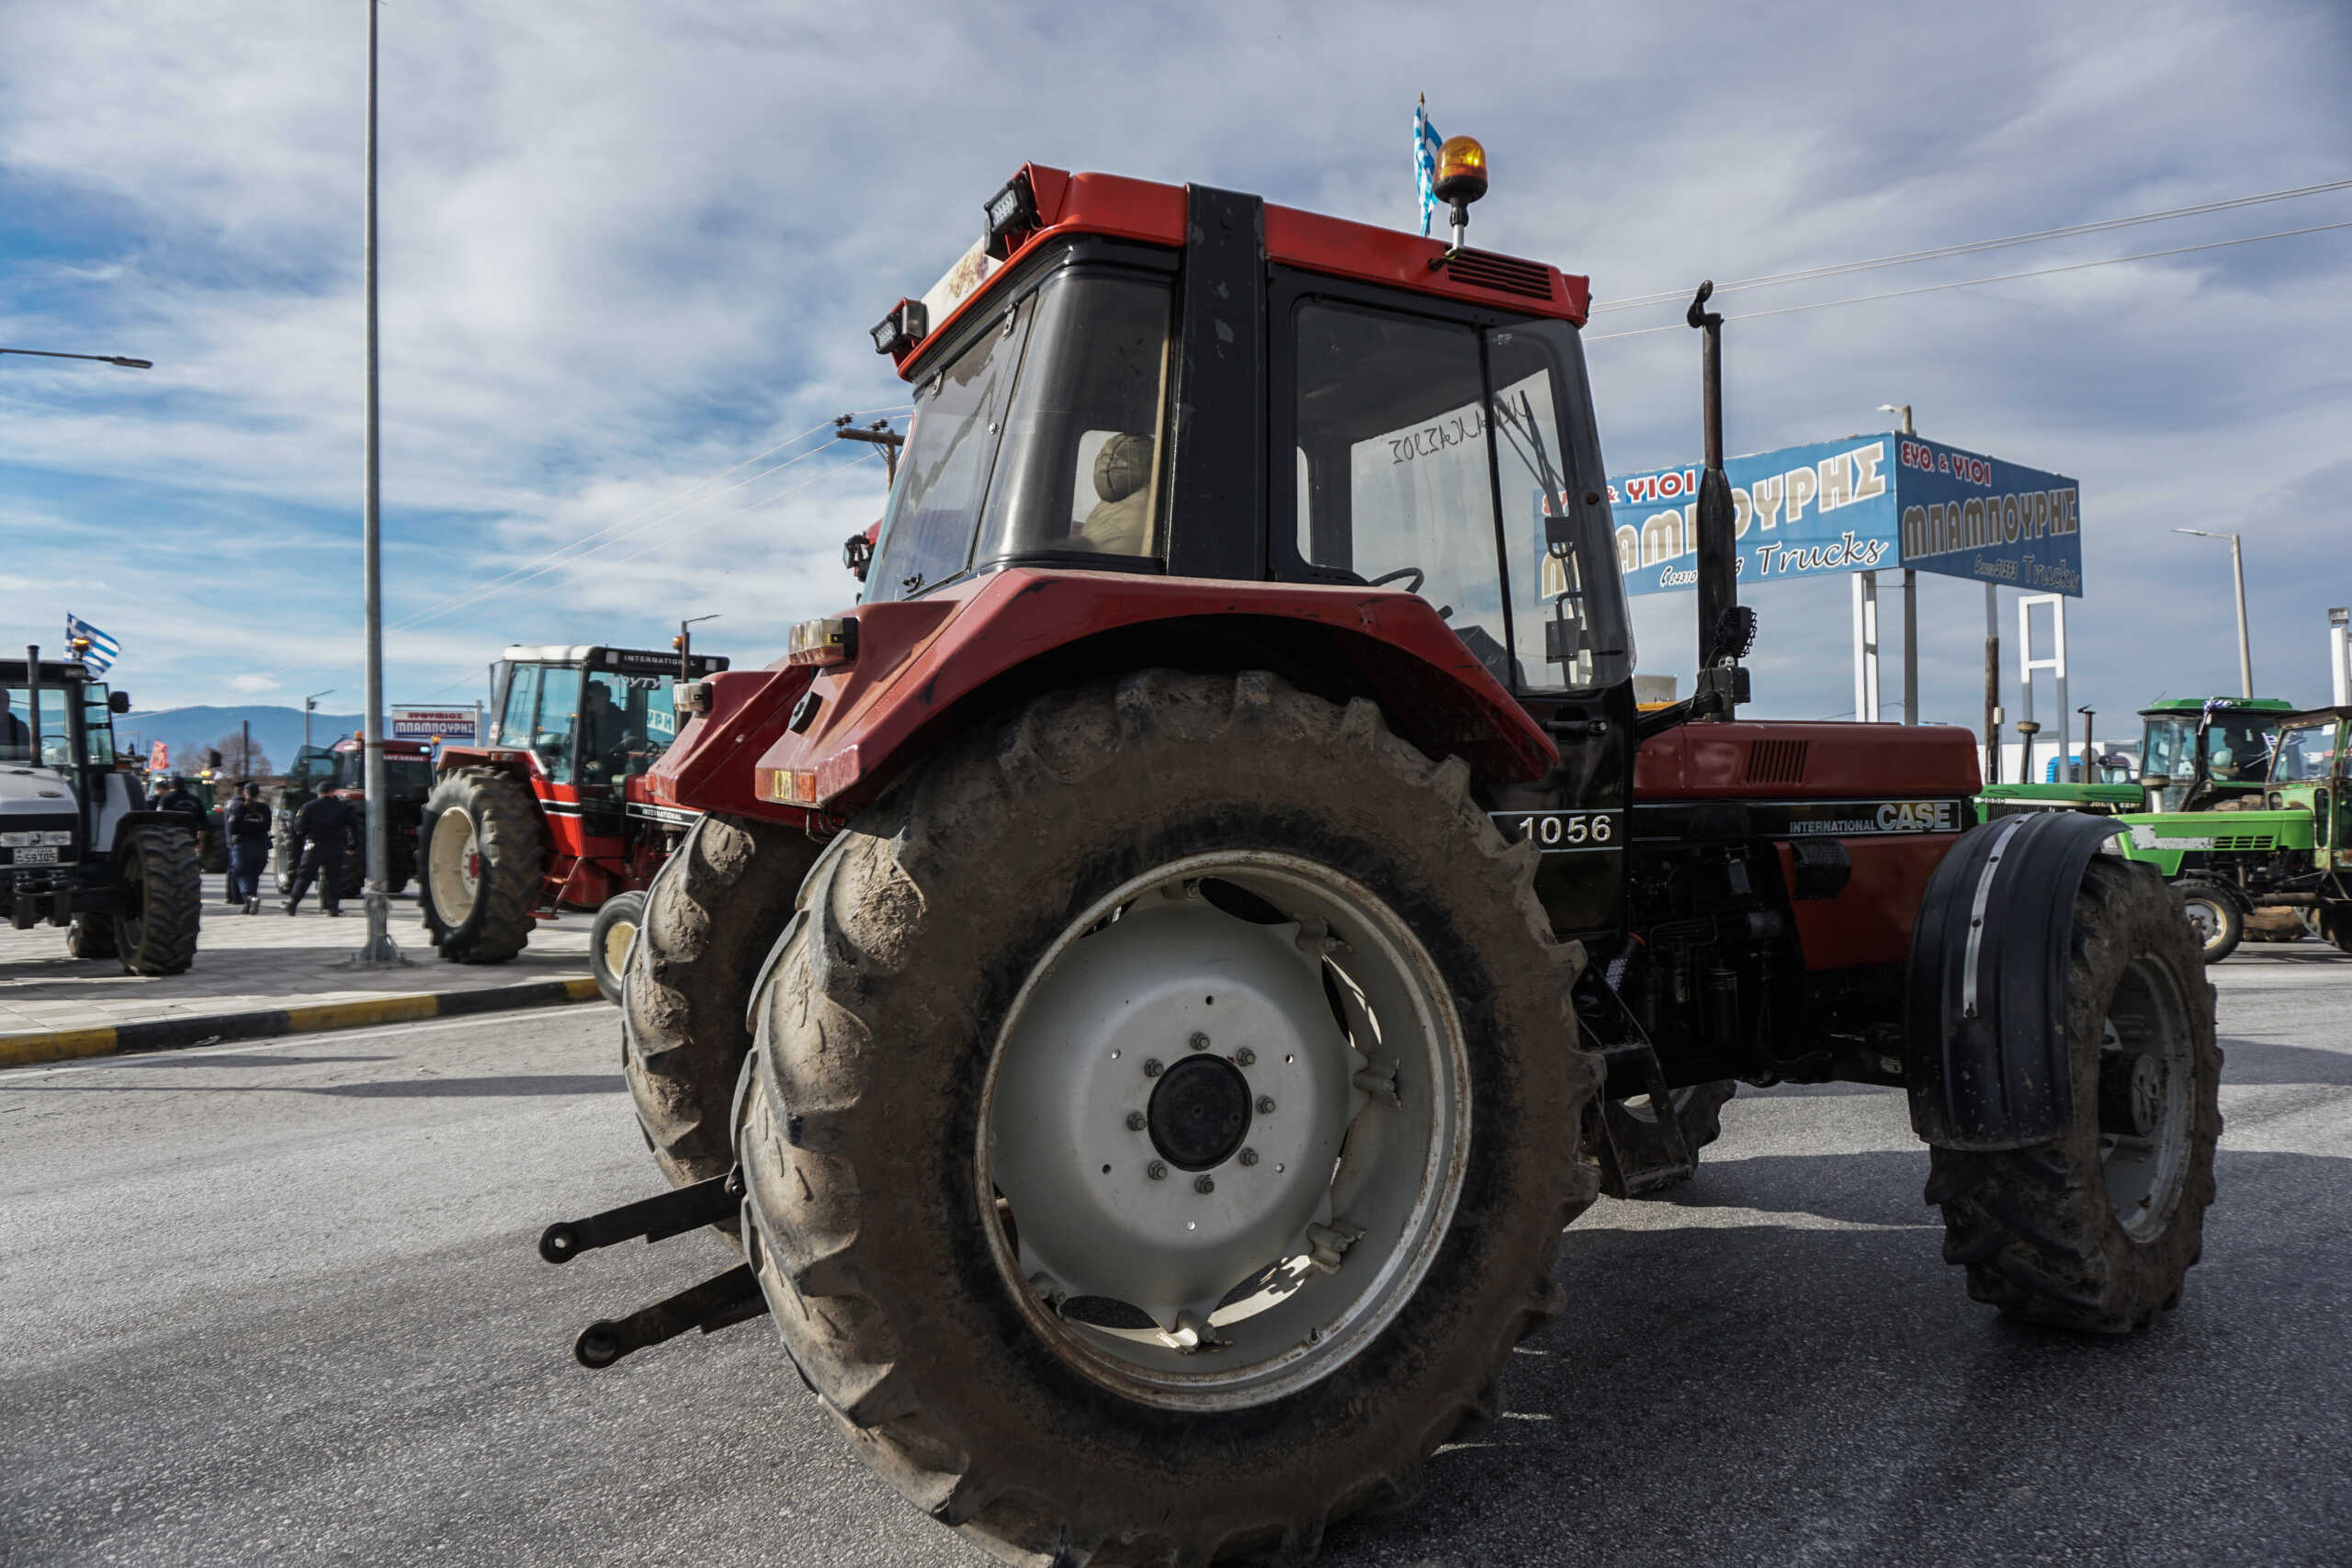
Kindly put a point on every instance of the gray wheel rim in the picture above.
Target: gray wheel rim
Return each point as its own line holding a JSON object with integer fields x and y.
{"x": 2147, "y": 1072}
{"x": 1246, "y": 1271}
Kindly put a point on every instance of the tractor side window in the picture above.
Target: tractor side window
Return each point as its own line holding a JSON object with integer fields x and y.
{"x": 1569, "y": 626}
{"x": 16, "y": 732}
{"x": 614, "y": 742}
{"x": 1396, "y": 486}
{"x": 522, "y": 704}
{"x": 551, "y": 730}
{"x": 97, "y": 728}
{"x": 1081, "y": 464}
{"x": 935, "y": 505}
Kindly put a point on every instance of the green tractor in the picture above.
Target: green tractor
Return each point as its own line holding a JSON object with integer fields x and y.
{"x": 2214, "y": 749}
{"x": 2273, "y": 850}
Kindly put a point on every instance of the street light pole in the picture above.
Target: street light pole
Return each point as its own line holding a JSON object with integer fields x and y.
{"x": 2237, "y": 569}
{"x": 309, "y": 706}
{"x": 379, "y": 950}
{"x": 123, "y": 360}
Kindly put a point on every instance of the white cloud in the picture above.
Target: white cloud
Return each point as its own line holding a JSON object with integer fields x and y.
{"x": 250, "y": 684}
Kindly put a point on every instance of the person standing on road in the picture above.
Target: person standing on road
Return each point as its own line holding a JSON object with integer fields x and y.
{"x": 325, "y": 824}
{"x": 247, "y": 826}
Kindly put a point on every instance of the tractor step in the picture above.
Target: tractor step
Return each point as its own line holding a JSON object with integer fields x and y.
{"x": 1645, "y": 1158}
{"x": 673, "y": 1213}
{"x": 716, "y": 1303}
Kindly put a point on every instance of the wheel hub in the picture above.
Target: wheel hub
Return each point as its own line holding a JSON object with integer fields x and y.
{"x": 1200, "y": 1113}
{"x": 2131, "y": 1094}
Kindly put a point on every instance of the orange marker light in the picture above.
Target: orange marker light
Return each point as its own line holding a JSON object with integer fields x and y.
{"x": 1461, "y": 170}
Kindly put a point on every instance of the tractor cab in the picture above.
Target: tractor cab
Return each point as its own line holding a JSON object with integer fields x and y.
{"x": 591, "y": 719}
{"x": 2196, "y": 752}
{"x": 2311, "y": 769}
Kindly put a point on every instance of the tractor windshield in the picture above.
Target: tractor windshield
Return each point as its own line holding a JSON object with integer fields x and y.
{"x": 56, "y": 741}
{"x": 407, "y": 778}
{"x": 626, "y": 723}
{"x": 2237, "y": 747}
{"x": 2304, "y": 753}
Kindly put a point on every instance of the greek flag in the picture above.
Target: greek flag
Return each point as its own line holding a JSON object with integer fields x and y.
{"x": 103, "y": 649}
{"x": 1425, "y": 142}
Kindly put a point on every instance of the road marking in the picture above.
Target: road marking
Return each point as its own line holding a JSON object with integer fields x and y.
{"x": 287, "y": 1041}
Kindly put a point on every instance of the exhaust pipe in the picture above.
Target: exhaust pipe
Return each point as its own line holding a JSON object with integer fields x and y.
{"x": 1726, "y": 630}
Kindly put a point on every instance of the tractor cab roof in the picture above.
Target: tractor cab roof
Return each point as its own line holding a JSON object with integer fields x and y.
{"x": 1040, "y": 206}
{"x": 2317, "y": 716}
{"x": 54, "y": 672}
{"x": 626, "y": 660}
{"x": 2169, "y": 708}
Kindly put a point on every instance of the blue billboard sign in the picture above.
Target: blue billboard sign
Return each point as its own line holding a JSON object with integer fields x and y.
{"x": 1866, "y": 503}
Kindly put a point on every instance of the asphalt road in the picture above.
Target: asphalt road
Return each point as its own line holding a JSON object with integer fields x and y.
{"x": 280, "y": 1304}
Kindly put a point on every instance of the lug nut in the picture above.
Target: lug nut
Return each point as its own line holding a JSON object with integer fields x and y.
{"x": 1245, "y": 1058}
{"x": 1203, "y": 1184}
{"x": 1199, "y": 1042}
{"x": 1248, "y": 1157}
{"x": 1151, "y": 1067}
{"x": 1265, "y": 1105}
{"x": 1135, "y": 1121}
{"x": 1157, "y": 1170}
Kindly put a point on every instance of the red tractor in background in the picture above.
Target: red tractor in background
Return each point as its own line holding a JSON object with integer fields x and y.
{"x": 1150, "y": 985}
{"x": 554, "y": 813}
{"x": 341, "y": 768}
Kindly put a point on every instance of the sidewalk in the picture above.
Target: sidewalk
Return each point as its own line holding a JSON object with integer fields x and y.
{"x": 262, "y": 974}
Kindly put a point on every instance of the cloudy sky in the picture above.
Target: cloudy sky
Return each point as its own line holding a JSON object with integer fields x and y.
{"x": 629, "y": 254}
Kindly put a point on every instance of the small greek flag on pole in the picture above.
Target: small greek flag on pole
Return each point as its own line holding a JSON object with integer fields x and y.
{"x": 1425, "y": 142}
{"x": 95, "y": 648}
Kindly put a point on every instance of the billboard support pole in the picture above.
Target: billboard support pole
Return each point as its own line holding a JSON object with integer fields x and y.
{"x": 1992, "y": 684}
{"x": 1910, "y": 645}
{"x": 1866, "y": 688}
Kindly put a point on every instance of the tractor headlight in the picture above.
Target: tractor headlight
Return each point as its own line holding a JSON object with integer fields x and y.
{"x": 831, "y": 641}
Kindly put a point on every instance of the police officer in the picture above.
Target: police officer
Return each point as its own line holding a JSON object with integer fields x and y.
{"x": 178, "y": 797}
{"x": 247, "y": 826}
{"x": 326, "y": 824}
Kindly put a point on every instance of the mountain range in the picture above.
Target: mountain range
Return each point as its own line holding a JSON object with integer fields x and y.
{"x": 277, "y": 730}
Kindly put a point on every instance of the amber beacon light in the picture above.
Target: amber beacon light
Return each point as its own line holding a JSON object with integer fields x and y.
{"x": 1461, "y": 180}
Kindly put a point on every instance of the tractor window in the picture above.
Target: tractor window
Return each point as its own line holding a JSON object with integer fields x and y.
{"x": 1079, "y": 467}
{"x": 935, "y": 505}
{"x": 1396, "y": 485}
{"x": 1568, "y": 598}
{"x": 2163, "y": 747}
{"x": 97, "y": 726}
{"x": 622, "y": 729}
{"x": 16, "y": 732}
{"x": 522, "y": 704}
{"x": 2303, "y": 753}
{"x": 550, "y": 730}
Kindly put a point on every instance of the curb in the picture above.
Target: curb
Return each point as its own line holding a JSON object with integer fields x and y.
{"x": 32, "y": 1047}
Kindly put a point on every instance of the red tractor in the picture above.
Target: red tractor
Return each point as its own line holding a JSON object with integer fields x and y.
{"x": 555, "y": 813}
{"x": 341, "y": 768}
{"x": 1151, "y": 984}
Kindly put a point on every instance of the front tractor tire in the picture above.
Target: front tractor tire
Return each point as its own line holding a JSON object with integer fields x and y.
{"x": 159, "y": 901}
{"x": 485, "y": 850}
{"x": 2096, "y": 1229}
{"x": 2215, "y": 921}
{"x": 713, "y": 913}
{"x": 1156, "y": 1140}
{"x": 610, "y": 936}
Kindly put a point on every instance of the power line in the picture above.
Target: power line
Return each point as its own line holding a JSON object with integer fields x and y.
{"x": 1973, "y": 282}
{"x": 2098, "y": 226}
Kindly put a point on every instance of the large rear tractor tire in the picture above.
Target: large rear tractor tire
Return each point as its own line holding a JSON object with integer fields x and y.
{"x": 2215, "y": 921}
{"x": 2096, "y": 1229}
{"x": 485, "y": 850}
{"x": 1163, "y": 1123}
{"x": 709, "y": 919}
{"x": 159, "y": 901}
{"x": 2333, "y": 924}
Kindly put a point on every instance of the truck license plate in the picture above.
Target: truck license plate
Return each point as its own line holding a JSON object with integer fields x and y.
{"x": 35, "y": 857}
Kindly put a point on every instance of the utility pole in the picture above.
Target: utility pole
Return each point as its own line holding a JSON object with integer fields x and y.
{"x": 2237, "y": 569}
{"x": 379, "y": 951}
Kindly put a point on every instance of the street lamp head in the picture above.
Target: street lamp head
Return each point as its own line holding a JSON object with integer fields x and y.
{"x": 130, "y": 364}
